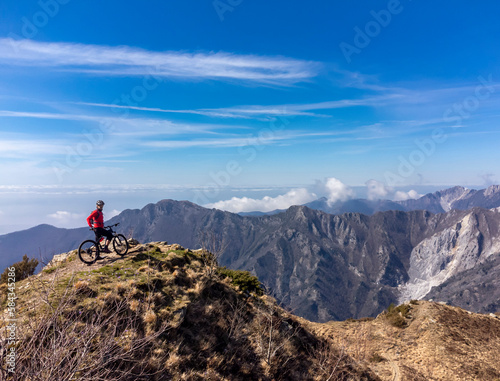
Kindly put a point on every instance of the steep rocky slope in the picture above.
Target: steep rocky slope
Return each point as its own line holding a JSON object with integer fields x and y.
{"x": 476, "y": 289}
{"x": 470, "y": 241}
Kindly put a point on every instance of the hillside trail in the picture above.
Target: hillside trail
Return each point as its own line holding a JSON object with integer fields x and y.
{"x": 395, "y": 370}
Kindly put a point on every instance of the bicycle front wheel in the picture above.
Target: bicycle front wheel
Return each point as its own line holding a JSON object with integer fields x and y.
{"x": 120, "y": 244}
{"x": 88, "y": 251}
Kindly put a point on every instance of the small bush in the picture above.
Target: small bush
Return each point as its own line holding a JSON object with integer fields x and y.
{"x": 414, "y": 302}
{"x": 397, "y": 315}
{"x": 50, "y": 270}
{"x": 23, "y": 269}
{"x": 149, "y": 317}
{"x": 82, "y": 287}
{"x": 57, "y": 266}
{"x": 360, "y": 320}
{"x": 243, "y": 279}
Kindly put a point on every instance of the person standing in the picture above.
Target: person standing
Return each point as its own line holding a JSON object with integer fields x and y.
{"x": 96, "y": 223}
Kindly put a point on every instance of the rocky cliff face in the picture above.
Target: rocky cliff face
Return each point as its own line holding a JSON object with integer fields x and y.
{"x": 460, "y": 247}
{"x": 456, "y": 198}
{"x": 476, "y": 289}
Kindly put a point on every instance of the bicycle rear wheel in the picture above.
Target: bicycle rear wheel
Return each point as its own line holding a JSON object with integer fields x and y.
{"x": 88, "y": 251}
{"x": 120, "y": 244}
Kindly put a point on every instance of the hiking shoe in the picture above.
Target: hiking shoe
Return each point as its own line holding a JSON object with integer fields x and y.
{"x": 105, "y": 250}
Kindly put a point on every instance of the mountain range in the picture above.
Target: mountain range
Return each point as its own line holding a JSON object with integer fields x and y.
{"x": 324, "y": 266}
{"x": 438, "y": 202}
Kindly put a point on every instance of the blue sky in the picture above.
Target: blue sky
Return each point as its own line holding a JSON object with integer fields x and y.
{"x": 241, "y": 104}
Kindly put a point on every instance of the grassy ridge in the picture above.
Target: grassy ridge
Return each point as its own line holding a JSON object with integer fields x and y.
{"x": 162, "y": 314}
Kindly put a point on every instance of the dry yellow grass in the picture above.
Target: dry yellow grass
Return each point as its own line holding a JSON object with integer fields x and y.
{"x": 149, "y": 317}
{"x": 441, "y": 342}
{"x": 81, "y": 284}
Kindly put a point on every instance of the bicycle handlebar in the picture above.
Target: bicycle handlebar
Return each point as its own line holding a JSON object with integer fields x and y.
{"x": 107, "y": 227}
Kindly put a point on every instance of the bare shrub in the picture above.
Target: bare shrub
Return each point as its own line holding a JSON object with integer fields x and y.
{"x": 330, "y": 362}
{"x": 273, "y": 335}
{"x": 106, "y": 340}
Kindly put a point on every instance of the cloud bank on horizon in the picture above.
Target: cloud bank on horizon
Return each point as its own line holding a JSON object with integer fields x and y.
{"x": 332, "y": 189}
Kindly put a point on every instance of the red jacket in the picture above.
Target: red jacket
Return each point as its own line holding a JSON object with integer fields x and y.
{"x": 96, "y": 219}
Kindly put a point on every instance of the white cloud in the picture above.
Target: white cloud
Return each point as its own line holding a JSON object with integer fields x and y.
{"x": 224, "y": 142}
{"x": 333, "y": 189}
{"x": 95, "y": 189}
{"x": 11, "y": 148}
{"x": 64, "y": 217}
{"x": 402, "y": 196}
{"x": 112, "y": 213}
{"x": 377, "y": 190}
{"x": 125, "y": 60}
{"x": 337, "y": 191}
{"x": 297, "y": 196}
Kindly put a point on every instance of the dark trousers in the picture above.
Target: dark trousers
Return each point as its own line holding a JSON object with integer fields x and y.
{"x": 101, "y": 232}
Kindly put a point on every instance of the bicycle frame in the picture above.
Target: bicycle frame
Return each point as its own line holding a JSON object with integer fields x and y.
{"x": 100, "y": 238}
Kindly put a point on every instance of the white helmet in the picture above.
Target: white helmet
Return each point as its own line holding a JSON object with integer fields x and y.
{"x": 100, "y": 203}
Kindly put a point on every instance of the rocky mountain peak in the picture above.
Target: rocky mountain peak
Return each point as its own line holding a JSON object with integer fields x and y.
{"x": 491, "y": 190}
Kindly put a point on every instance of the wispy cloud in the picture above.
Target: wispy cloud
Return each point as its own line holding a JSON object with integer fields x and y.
{"x": 266, "y": 111}
{"x": 285, "y": 137}
{"x": 130, "y": 126}
{"x": 17, "y": 148}
{"x": 130, "y": 61}
{"x": 250, "y": 112}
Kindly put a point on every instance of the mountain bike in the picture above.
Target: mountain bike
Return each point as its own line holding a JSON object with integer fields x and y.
{"x": 90, "y": 250}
